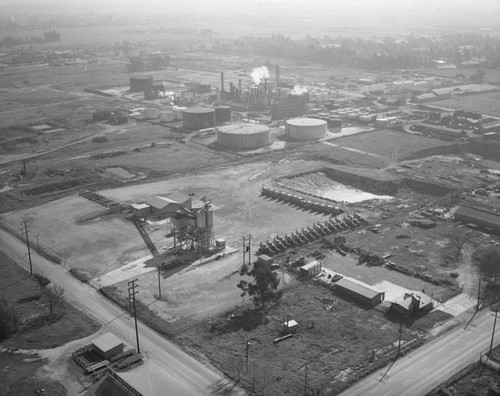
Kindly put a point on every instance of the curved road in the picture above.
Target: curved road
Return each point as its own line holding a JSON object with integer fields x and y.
{"x": 168, "y": 369}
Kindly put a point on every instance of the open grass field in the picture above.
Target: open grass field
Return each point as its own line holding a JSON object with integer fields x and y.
{"x": 486, "y": 103}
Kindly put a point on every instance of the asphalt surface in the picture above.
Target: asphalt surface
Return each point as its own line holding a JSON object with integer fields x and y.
{"x": 428, "y": 366}
{"x": 167, "y": 369}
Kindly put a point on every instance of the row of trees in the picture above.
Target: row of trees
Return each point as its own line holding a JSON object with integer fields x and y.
{"x": 47, "y": 37}
{"x": 373, "y": 54}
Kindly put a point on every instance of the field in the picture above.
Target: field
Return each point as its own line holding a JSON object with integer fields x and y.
{"x": 23, "y": 369}
{"x": 486, "y": 103}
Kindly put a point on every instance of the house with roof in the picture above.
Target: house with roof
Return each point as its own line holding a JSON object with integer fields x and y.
{"x": 412, "y": 304}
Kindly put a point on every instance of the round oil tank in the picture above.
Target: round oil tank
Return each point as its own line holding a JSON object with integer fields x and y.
{"x": 365, "y": 118}
{"x": 178, "y": 111}
{"x": 305, "y": 128}
{"x": 196, "y": 118}
{"x": 167, "y": 116}
{"x": 382, "y": 121}
{"x": 222, "y": 114}
{"x": 352, "y": 115}
{"x": 141, "y": 83}
{"x": 243, "y": 136}
{"x": 204, "y": 88}
{"x": 151, "y": 113}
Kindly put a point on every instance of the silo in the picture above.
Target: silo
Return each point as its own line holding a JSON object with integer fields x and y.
{"x": 305, "y": 128}
{"x": 222, "y": 114}
{"x": 243, "y": 136}
{"x": 196, "y": 118}
{"x": 141, "y": 83}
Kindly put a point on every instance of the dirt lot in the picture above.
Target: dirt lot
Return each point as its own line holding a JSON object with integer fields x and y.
{"x": 335, "y": 338}
{"x": 38, "y": 332}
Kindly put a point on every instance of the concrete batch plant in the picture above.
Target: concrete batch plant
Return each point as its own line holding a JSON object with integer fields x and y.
{"x": 196, "y": 118}
{"x": 243, "y": 136}
{"x": 305, "y": 128}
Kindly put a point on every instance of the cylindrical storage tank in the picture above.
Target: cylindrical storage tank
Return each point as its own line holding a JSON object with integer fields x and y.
{"x": 305, "y": 128}
{"x": 335, "y": 124}
{"x": 365, "y": 118}
{"x": 141, "y": 83}
{"x": 167, "y": 116}
{"x": 204, "y": 88}
{"x": 243, "y": 136}
{"x": 352, "y": 116}
{"x": 382, "y": 121}
{"x": 151, "y": 113}
{"x": 222, "y": 114}
{"x": 342, "y": 114}
{"x": 196, "y": 118}
{"x": 178, "y": 111}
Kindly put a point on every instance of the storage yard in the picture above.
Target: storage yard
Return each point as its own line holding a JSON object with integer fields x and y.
{"x": 157, "y": 176}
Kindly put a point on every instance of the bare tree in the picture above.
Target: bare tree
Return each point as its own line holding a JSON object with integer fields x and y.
{"x": 54, "y": 295}
{"x": 457, "y": 239}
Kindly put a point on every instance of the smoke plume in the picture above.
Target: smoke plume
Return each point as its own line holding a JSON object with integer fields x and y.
{"x": 259, "y": 74}
{"x": 298, "y": 90}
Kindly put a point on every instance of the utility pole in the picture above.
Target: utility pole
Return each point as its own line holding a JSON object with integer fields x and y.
{"x": 28, "y": 244}
{"x": 399, "y": 342}
{"x": 246, "y": 354}
{"x": 159, "y": 284}
{"x": 132, "y": 292}
{"x": 305, "y": 382}
{"x": 244, "y": 250}
{"x": 478, "y": 294}
{"x": 493, "y": 333}
{"x": 248, "y": 249}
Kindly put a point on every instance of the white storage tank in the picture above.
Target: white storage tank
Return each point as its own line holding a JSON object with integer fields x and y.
{"x": 367, "y": 118}
{"x": 243, "y": 136}
{"x": 151, "y": 113}
{"x": 306, "y": 128}
{"x": 178, "y": 112}
{"x": 382, "y": 121}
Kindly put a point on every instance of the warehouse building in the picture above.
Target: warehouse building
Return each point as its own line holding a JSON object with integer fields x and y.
{"x": 305, "y": 128}
{"x": 243, "y": 136}
{"x": 478, "y": 217}
{"x": 359, "y": 291}
{"x": 167, "y": 205}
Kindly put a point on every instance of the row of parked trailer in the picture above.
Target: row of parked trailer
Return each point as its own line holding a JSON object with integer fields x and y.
{"x": 301, "y": 201}
{"x": 308, "y": 234}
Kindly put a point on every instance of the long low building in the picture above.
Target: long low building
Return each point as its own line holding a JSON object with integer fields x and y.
{"x": 480, "y": 217}
{"x": 362, "y": 292}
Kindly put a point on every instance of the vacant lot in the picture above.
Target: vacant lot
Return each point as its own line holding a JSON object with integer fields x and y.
{"x": 38, "y": 331}
{"x": 486, "y": 103}
{"x": 335, "y": 338}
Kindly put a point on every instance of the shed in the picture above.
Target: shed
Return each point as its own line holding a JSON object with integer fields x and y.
{"x": 311, "y": 269}
{"x": 107, "y": 346}
{"x": 413, "y": 303}
{"x": 265, "y": 259}
{"x": 290, "y": 326}
{"x": 480, "y": 217}
{"x": 360, "y": 291}
{"x": 140, "y": 209}
{"x": 169, "y": 204}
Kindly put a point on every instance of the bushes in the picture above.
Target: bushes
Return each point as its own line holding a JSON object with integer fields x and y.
{"x": 9, "y": 323}
{"x": 100, "y": 139}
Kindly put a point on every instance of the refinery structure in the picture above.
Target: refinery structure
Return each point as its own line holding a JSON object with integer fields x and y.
{"x": 300, "y": 213}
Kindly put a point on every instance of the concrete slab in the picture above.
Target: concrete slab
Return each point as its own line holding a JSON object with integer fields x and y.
{"x": 131, "y": 270}
{"x": 458, "y": 304}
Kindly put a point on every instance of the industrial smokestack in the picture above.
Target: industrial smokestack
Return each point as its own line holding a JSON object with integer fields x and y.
{"x": 222, "y": 81}
{"x": 239, "y": 85}
{"x": 277, "y": 76}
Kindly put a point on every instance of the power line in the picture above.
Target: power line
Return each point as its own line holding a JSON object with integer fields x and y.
{"x": 131, "y": 293}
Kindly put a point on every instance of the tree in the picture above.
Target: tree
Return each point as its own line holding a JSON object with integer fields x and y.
{"x": 457, "y": 239}
{"x": 487, "y": 259}
{"x": 265, "y": 284}
{"x": 54, "y": 295}
{"x": 9, "y": 323}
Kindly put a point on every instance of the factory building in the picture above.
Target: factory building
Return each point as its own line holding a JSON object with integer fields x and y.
{"x": 141, "y": 83}
{"x": 478, "y": 217}
{"x": 243, "y": 136}
{"x": 196, "y": 118}
{"x": 293, "y": 106}
{"x": 359, "y": 291}
{"x": 306, "y": 128}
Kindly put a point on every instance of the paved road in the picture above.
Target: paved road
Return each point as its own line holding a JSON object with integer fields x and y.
{"x": 433, "y": 363}
{"x": 168, "y": 370}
